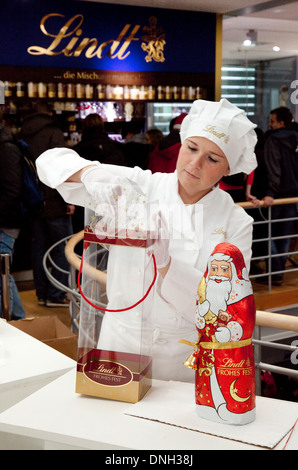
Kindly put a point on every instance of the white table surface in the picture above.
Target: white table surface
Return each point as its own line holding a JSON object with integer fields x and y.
{"x": 26, "y": 365}
{"x": 55, "y": 417}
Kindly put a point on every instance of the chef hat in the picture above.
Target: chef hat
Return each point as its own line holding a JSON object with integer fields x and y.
{"x": 227, "y": 126}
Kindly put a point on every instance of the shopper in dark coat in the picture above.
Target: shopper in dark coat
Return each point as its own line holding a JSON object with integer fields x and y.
{"x": 281, "y": 160}
{"x": 11, "y": 180}
{"x": 96, "y": 144}
{"x": 54, "y": 222}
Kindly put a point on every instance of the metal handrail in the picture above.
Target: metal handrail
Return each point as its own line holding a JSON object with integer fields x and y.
{"x": 249, "y": 205}
{"x": 276, "y": 202}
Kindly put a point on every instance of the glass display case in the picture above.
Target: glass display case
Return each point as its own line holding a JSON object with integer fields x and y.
{"x": 159, "y": 115}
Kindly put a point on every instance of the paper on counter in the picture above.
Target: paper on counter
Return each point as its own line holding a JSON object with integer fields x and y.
{"x": 173, "y": 403}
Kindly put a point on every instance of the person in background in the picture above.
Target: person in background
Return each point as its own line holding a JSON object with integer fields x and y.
{"x": 153, "y": 136}
{"x": 136, "y": 147}
{"x": 281, "y": 160}
{"x": 96, "y": 144}
{"x": 11, "y": 182}
{"x": 259, "y": 186}
{"x": 54, "y": 222}
{"x": 239, "y": 187}
{"x": 192, "y": 215}
{"x": 163, "y": 157}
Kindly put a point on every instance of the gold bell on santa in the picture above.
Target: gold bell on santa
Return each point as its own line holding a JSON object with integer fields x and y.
{"x": 191, "y": 362}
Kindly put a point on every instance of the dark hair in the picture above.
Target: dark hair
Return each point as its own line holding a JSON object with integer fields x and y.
{"x": 154, "y": 136}
{"x": 283, "y": 114}
{"x": 93, "y": 121}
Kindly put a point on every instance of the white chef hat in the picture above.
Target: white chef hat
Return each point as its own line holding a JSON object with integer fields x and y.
{"x": 227, "y": 126}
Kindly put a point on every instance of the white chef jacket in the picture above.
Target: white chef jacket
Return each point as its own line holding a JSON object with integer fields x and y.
{"x": 212, "y": 220}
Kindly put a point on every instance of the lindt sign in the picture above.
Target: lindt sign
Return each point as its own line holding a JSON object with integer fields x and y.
{"x": 152, "y": 41}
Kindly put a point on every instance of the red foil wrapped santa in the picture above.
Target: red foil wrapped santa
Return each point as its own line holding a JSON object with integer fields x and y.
{"x": 223, "y": 357}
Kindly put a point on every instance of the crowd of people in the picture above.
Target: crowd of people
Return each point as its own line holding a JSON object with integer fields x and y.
{"x": 276, "y": 176}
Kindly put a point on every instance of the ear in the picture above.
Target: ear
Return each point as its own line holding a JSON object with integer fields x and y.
{"x": 227, "y": 172}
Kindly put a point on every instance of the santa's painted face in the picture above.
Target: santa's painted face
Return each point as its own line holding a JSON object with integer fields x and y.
{"x": 220, "y": 271}
{"x": 218, "y": 286}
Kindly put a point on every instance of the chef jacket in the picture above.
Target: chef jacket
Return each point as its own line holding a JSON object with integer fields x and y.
{"x": 195, "y": 231}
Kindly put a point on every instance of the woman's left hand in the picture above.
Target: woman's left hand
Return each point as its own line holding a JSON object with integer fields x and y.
{"x": 160, "y": 247}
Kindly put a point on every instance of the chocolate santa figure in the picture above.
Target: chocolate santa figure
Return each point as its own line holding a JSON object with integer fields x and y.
{"x": 223, "y": 357}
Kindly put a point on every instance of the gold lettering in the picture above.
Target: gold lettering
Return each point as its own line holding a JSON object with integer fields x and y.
{"x": 127, "y": 42}
{"x": 72, "y": 43}
{"x": 93, "y": 48}
{"x": 37, "y": 50}
{"x": 211, "y": 129}
{"x": 103, "y": 46}
{"x": 84, "y": 43}
{"x": 91, "y": 51}
{"x": 227, "y": 362}
{"x": 69, "y": 75}
{"x": 102, "y": 369}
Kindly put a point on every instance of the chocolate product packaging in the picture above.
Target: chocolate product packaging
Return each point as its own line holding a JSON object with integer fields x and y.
{"x": 116, "y": 280}
{"x": 223, "y": 357}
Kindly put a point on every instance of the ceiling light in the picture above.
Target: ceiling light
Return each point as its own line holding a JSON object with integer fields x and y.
{"x": 252, "y": 37}
{"x": 276, "y": 48}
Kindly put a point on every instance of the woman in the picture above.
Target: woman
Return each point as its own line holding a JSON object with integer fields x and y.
{"x": 217, "y": 140}
{"x": 96, "y": 144}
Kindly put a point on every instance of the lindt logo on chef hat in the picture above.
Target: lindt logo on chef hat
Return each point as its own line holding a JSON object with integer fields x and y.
{"x": 221, "y": 135}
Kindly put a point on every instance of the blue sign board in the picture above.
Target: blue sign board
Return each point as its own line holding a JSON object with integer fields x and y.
{"x": 100, "y": 36}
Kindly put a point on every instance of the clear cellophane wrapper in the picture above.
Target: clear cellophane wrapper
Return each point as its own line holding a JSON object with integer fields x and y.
{"x": 115, "y": 328}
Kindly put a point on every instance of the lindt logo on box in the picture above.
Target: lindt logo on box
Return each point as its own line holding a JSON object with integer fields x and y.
{"x": 108, "y": 373}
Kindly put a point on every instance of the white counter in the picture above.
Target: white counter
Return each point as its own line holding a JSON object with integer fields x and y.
{"x": 26, "y": 365}
{"x": 55, "y": 417}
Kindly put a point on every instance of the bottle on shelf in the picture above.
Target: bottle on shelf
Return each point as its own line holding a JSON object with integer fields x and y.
{"x": 109, "y": 92}
{"x": 42, "y": 90}
{"x": 70, "y": 90}
{"x": 20, "y": 89}
{"x": 126, "y": 94}
{"x": 8, "y": 89}
{"x": 183, "y": 93}
{"x": 118, "y": 92}
{"x": 199, "y": 93}
{"x": 160, "y": 93}
{"x": 168, "y": 93}
{"x": 151, "y": 92}
{"x": 100, "y": 91}
{"x": 89, "y": 91}
{"x": 176, "y": 93}
{"x": 61, "y": 90}
{"x": 134, "y": 93}
{"x": 79, "y": 91}
{"x": 51, "y": 90}
{"x": 32, "y": 90}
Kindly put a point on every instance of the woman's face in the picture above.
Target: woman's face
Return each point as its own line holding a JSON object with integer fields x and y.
{"x": 200, "y": 165}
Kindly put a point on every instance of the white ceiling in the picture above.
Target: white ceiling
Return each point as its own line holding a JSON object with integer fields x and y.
{"x": 276, "y": 23}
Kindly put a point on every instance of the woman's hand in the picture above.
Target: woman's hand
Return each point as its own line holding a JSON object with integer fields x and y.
{"x": 250, "y": 198}
{"x": 104, "y": 189}
{"x": 160, "y": 247}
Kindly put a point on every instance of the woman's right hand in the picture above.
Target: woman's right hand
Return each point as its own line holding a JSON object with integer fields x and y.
{"x": 103, "y": 187}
